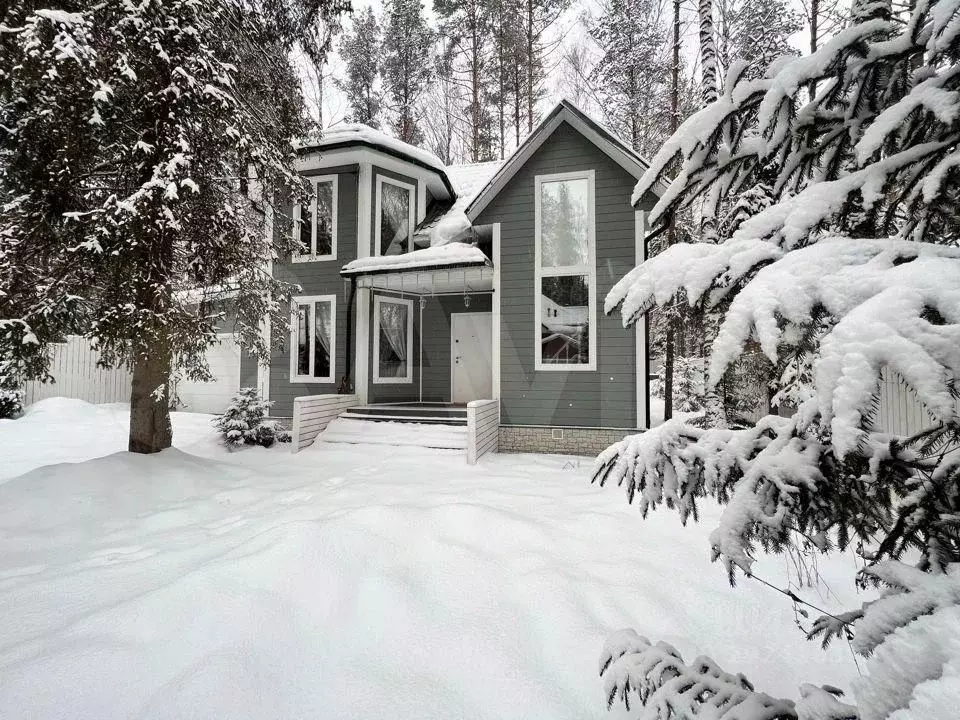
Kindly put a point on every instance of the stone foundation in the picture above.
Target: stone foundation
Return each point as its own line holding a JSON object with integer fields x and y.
{"x": 564, "y": 440}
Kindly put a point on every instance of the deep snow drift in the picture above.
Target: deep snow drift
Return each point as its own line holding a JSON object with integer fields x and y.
{"x": 349, "y": 582}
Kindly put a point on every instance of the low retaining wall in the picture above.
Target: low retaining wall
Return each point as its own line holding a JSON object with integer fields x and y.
{"x": 564, "y": 440}
{"x": 483, "y": 421}
{"x": 312, "y": 414}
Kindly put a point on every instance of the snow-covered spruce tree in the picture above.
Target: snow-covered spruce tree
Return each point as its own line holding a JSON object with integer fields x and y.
{"x": 844, "y": 275}
{"x": 360, "y": 51}
{"x": 633, "y": 72}
{"x": 757, "y": 33}
{"x": 407, "y": 65}
{"x": 245, "y": 421}
{"x": 125, "y": 132}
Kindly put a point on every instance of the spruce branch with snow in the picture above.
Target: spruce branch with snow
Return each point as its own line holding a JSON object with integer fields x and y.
{"x": 846, "y": 269}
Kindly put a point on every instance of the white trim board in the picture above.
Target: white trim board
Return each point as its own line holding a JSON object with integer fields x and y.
{"x": 640, "y": 330}
{"x": 411, "y": 211}
{"x": 364, "y": 209}
{"x": 496, "y": 309}
{"x": 314, "y": 181}
{"x": 294, "y": 327}
{"x": 408, "y": 378}
{"x": 590, "y": 270}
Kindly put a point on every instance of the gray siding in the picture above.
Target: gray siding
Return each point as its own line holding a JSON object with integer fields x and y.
{"x": 318, "y": 278}
{"x": 606, "y": 397}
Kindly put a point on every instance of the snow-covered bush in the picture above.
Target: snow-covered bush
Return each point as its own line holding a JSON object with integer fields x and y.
{"x": 11, "y": 402}
{"x": 245, "y": 422}
{"x": 851, "y": 269}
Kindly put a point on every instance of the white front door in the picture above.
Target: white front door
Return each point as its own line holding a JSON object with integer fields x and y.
{"x": 471, "y": 354}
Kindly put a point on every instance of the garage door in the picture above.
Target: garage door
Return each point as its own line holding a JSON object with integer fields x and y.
{"x": 214, "y": 396}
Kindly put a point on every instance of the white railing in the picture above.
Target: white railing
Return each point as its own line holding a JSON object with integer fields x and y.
{"x": 483, "y": 428}
{"x": 312, "y": 414}
{"x": 73, "y": 365}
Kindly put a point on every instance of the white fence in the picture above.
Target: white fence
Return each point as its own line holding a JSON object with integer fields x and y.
{"x": 73, "y": 365}
{"x": 900, "y": 412}
{"x": 312, "y": 414}
{"x": 483, "y": 428}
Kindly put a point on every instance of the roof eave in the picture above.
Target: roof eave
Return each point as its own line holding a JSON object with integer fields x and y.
{"x": 386, "y": 150}
{"x": 425, "y": 268}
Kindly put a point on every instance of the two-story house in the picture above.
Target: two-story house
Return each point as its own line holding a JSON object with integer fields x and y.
{"x": 426, "y": 286}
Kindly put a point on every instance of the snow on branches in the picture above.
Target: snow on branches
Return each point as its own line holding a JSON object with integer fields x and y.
{"x": 892, "y": 304}
{"x": 669, "y": 689}
{"x": 884, "y": 114}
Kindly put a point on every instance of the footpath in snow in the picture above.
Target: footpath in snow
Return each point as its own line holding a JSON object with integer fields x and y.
{"x": 348, "y": 581}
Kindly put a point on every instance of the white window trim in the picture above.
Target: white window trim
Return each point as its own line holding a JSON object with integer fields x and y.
{"x": 312, "y": 300}
{"x": 408, "y": 378}
{"x": 590, "y": 270}
{"x": 411, "y": 210}
{"x": 313, "y": 257}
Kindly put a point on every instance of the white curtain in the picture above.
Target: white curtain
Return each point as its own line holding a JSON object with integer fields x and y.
{"x": 323, "y": 325}
{"x": 393, "y": 325}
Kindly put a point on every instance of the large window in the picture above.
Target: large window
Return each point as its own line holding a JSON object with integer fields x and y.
{"x": 315, "y": 224}
{"x": 565, "y": 296}
{"x": 313, "y": 338}
{"x": 394, "y": 216}
{"x": 393, "y": 341}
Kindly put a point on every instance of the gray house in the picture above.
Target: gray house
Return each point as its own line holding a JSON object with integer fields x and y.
{"x": 427, "y": 289}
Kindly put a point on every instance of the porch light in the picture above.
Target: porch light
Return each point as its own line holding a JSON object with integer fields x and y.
{"x": 466, "y": 301}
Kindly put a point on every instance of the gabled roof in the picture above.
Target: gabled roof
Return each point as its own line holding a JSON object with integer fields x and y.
{"x": 565, "y": 111}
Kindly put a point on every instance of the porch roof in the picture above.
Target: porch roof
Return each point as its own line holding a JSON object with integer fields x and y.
{"x": 439, "y": 257}
{"x": 435, "y": 281}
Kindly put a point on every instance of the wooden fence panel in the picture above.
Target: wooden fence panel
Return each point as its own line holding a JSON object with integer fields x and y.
{"x": 483, "y": 428}
{"x": 312, "y": 414}
{"x": 73, "y": 365}
{"x": 900, "y": 411}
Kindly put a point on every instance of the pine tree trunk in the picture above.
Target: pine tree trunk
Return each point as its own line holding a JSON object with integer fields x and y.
{"x": 150, "y": 429}
{"x": 670, "y": 350}
{"x": 530, "y": 63}
{"x": 668, "y": 371}
{"x": 814, "y": 38}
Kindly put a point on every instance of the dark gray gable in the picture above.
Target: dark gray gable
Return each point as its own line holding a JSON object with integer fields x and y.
{"x": 564, "y": 112}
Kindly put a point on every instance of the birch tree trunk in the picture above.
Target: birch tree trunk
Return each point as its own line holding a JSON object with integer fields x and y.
{"x": 708, "y": 52}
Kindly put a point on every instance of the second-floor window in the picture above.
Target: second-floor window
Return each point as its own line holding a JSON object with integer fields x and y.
{"x": 394, "y": 216}
{"x": 315, "y": 223}
{"x": 565, "y": 272}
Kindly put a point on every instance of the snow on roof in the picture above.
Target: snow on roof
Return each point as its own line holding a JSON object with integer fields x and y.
{"x": 453, "y": 254}
{"x": 467, "y": 180}
{"x": 359, "y": 133}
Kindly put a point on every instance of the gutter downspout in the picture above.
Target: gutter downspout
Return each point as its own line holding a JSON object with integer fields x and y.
{"x": 344, "y": 388}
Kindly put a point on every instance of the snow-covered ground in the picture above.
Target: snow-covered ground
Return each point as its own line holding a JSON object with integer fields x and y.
{"x": 348, "y": 581}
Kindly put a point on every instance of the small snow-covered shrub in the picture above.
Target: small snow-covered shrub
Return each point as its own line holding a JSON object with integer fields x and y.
{"x": 11, "y": 403}
{"x": 245, "y": 422}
